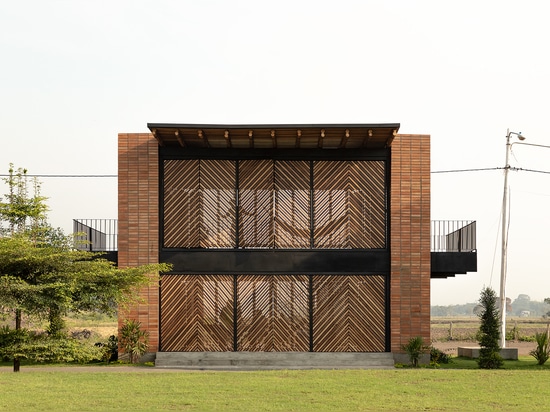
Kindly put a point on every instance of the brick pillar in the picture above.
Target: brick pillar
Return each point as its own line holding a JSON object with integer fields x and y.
{"x": 138, "y": 219}
{"x": 410, "y": 239}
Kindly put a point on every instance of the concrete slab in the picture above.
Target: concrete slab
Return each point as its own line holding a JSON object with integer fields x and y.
{"x": 473, "y": 352}
{"x": 273, "y": 360}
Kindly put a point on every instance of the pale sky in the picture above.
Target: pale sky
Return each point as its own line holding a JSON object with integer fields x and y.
{"x": 73, "y": 74}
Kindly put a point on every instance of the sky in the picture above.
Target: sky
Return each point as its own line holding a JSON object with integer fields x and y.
{"x": 73, "y": 74}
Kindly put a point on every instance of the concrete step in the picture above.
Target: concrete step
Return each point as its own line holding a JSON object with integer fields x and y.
{"x": 273, "y": 360}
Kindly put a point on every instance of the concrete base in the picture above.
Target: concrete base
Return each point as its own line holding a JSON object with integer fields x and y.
{"x": 403, "y": 359}
{"x": 473, "y": 352}
{"x": 273, "y": 360}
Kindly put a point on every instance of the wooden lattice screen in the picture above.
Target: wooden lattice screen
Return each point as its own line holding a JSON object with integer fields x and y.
{"x": 349, "y": 204}
{"x": 196, "y": 313}
{"x": 349, "y": 314}
{"x": 199, "y": 203}
{"x": 276, "y": 211}
{"x": 274, "y": 313}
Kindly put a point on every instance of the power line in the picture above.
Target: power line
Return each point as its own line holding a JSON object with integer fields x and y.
{"x": 467, "y": 170}
{"x": 520, "y": 169}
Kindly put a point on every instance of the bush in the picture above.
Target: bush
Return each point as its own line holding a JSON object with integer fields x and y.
{"x": 437, "y": 356}
{"x": 542, "y": 352}
{"x": 133, "y": 340}
{"x": 415, "y": 348}
{"x": 110, "y": 349}
{"x": 41, "y": 347}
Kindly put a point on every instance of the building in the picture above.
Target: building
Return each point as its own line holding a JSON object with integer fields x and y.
{"x": 284, "y": 238}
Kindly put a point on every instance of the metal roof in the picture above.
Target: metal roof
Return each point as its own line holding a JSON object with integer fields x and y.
{"x": 275, "y": 136}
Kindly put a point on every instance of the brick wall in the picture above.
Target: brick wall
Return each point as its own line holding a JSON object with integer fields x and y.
{"x": 138, "y": 217}
{"x": 410, "y": 239}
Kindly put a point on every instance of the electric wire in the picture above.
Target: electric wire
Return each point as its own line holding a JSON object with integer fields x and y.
{"x": 481, "y": 169}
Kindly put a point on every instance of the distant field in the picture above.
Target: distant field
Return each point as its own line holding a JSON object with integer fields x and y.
{"x": 465, "y": 328}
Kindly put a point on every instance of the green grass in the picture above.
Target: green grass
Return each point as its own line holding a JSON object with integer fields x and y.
{"x": 339, "y": 390}
{"x": 525, "y": 363}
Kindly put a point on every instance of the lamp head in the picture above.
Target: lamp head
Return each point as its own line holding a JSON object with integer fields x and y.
{"x": 520, "y": 137}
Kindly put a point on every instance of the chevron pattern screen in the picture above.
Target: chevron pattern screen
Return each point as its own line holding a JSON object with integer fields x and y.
{"x": 349, "y": 204}
{"x": 281, "y": 204}
{"x": 199, "y": 203}
{"x": 273, "y": 313}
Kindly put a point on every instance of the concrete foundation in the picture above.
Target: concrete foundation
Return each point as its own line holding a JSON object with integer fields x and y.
{"x": 473, "y": 352}
{"x": 273, "y": 360}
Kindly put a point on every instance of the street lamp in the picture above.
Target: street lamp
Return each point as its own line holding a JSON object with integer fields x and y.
{"x": 505, "y": 232}
{"x": 505, "y": 240}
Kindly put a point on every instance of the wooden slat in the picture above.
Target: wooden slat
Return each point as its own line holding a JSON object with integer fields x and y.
{"x": 272, "y": 313}
{"x": 196, "y": 313}
{"x": 349, "y": 314}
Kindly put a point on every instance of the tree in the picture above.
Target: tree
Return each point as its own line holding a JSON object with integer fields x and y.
{"x": 42, "y": 274}
{"x": 489, "y": 333}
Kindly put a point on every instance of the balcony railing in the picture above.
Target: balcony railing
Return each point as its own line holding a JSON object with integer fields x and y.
{"x": 453, "y": 236}
{"x": 101, "y": 235}
{"x": 98, "y": 235}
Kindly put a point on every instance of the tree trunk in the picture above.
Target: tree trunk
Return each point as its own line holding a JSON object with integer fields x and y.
{"x": 17, "y": 361}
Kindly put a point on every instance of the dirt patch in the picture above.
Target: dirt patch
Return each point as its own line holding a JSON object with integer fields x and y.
{"x": 451, "y": 347}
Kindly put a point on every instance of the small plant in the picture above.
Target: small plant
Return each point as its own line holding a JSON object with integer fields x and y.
{"x": 133, "y": 340}
{"x": 415, "y": 348}
{"x": 109, "y": 348}
{"x": 542, "y": 352}
{"x": 437, "y": 356}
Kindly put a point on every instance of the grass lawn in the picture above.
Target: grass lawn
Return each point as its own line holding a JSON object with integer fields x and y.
{"x": 338, "y": 390}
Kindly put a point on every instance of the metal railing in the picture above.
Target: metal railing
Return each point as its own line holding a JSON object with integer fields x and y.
{"x": 97, "y": 235}
{"x": 101, "y": 235}
{"x": 453, "y": 236}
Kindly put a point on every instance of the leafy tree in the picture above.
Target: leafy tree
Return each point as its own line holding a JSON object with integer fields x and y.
{"x": 42, "y": 274}
{"x": 489, "y": 333}
{"x": 547, "y": 300}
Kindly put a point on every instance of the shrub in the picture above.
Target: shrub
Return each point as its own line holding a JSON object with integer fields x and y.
{"x": 110, "y": 349}
{"x": 133, "y": 340}
{"x": 489, "y": 333}
{"x": 437, "y": 356}
{"x": 542, "y": 352}
{"x": 415, "y": 348}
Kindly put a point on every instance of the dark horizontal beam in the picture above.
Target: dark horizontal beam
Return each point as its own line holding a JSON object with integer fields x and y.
{"x": 174, "y": 153}
{"x": 305, "y": 262}
{"x": 449, "y": 264}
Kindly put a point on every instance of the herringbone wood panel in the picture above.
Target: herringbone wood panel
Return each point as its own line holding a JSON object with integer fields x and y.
{"x": 273, "y": 313}
{"x": 196, "y": 313}
{"x": 348, "y": 314}
{"x": 217, "y": 188}
{"x": 181, "y": 203}
{"x": 256, "y": 204}
{"x": 292, "y": 204}
{"x": 199, "y": 203}
{"x": 349, "y": 204}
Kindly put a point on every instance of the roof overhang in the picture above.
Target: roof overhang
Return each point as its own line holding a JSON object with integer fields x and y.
{"x": 265, "y": 136}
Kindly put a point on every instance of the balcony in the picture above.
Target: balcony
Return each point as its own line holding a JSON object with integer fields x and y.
{"x": 97, "y": 235}
{"x": 453, "y": 248}
{"x": 453, "y": 244}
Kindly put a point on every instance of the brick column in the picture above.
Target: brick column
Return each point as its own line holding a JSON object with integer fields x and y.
{"x": 410, "y": 239}
{"x": 138, "y": 217}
